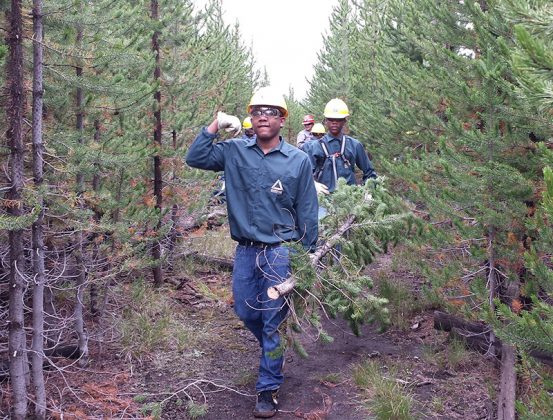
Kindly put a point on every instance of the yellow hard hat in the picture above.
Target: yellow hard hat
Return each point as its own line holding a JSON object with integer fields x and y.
{"x": 247, "y": 123}
{"x": 318, "y": 129}
{"x": 336, "y": 108}
{"x": 270, "y": 97}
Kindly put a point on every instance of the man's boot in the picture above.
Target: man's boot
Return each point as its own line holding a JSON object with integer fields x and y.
{"x": 267, "y": 404}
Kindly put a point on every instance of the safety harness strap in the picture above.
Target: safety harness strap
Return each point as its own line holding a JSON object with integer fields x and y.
{"x": 334, "y": 156}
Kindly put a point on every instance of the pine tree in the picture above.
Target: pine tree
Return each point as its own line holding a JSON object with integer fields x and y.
{"x": 295, "y": 117}
{"x": 37, "y": 356}
{"x": 438, "y": 92}
{"x": 333, "y": 74}
{"x": 14, "y": 113}
{"x": 532, "y": 61}
{"x": 158, "y": 180}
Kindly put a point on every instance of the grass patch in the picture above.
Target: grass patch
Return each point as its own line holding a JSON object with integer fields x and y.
{"x": 402, "y": 305}
{"x": 452, "y": 356}
{"x": 149, "y": 324}
{"x": 212, "y": 242}
{"x": 216, "y": 292}
{"x": 438, "y": 405}
{"x": 331, "y": 378}
{"x": 457, "y": 354}
{"x": 434, "y": 355}
{"x": 195, "y": 410}
{"x": 152, "y": 410}
{"x": 385, "y": 397}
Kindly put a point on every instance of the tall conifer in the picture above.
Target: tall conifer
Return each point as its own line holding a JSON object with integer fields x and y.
{"x": 15, "y": 207}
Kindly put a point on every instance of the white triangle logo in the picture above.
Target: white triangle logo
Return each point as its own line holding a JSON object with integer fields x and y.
{"x": 277, "y": 187}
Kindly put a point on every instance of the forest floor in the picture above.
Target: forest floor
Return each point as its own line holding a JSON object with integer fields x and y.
{"x": 212, "y": 374}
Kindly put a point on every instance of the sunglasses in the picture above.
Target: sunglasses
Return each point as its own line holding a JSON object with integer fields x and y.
{"x": 318, "y": 135}
{"x": 267, "y": 112}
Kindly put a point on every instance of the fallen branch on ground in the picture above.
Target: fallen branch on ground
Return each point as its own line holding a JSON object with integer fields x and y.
{"x": 223, "y": 263}
{"x": 476, "y": 335}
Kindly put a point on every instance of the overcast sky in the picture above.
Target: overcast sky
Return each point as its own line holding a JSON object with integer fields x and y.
{"x": 285, "y": 36}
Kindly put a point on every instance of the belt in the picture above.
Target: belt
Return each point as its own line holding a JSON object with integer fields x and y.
{"x": 257, "y": 244}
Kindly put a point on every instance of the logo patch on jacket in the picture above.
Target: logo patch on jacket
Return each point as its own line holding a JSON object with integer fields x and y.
{"x": 277, "y": 187}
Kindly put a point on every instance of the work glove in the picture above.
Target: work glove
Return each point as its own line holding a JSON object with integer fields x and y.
{"x": 230, "y": 123}
{"x": 321, "y": 188}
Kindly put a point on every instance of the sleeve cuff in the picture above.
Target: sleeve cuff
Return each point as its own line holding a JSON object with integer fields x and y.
{"x": 208, "y": 134}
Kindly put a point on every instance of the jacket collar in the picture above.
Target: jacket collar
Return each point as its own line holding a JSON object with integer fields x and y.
{"x": 328, "y": 137}
{"x": 282, "y": 147}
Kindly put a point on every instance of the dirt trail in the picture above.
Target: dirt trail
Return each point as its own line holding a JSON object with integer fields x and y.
{"x": 419, "y": 354}
{"x": 306, "y": 394}
{"x": 221, "y": 350}
{"x": 439, "y": 392}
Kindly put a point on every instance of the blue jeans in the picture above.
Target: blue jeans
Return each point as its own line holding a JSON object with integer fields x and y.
{"x": 255, "y": 270}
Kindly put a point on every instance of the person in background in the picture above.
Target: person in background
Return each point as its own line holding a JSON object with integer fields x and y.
{"x": 248, "y": 128}
{"x": 305, "y": 134}
{"x": 318, "y": 131}
{"x": 271, "y": 200}
{"x": 336, "y": 155}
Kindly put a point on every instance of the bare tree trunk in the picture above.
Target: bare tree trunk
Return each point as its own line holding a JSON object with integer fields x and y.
{"x": 49, "y": 309}
{"x": 492, "y": 276}
{"x": 174, "y": 213}
{"x": 97, "y": 217}
{"x": 508, "y": 380}
{"x": 506, "y": 399}
{"x": 14, "y": 114}
{"x": 37, "y": 357}
{"x": 79, "y": 247}
{"x": 158, "y": 182}
{"x": 507, "y": 384}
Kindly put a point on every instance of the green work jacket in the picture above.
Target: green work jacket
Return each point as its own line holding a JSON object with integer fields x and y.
{"x": 271, "y": 197}
{"x": 327, "y": 169}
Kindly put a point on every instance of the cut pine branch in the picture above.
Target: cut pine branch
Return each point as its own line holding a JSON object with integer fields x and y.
{"x": 282, "y": 289}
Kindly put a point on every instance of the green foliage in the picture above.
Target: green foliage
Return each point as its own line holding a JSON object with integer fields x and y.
{"x": 153, "y": 410}
{"x": 3, "y": 54}
{"x": 149, "y": 323}
{"x": 453, "y": 101}
{"x": 295, "y": 117}
{"x": 338, "y": 286}
{"x": 139, "y": 398}
{"x": 532, "y": 62}
{"x": 536, "y": 402}
{"x": 402, "y": 303}
{"x": 98, "y": 177}
{"x": 195, "y": 410}
{"x": 332, "y": 378}
{"x": 457, "y": 354}
{"x": 333, "y": 71}
{"x": 385, "y": 397}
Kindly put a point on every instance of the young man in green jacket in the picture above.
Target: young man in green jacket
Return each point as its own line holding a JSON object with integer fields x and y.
{"x": 271, "y": 200}
{"x": 336, "y": 155}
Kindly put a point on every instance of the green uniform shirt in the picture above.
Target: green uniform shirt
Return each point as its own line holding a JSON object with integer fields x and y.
{"x": 271, "y": 197}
